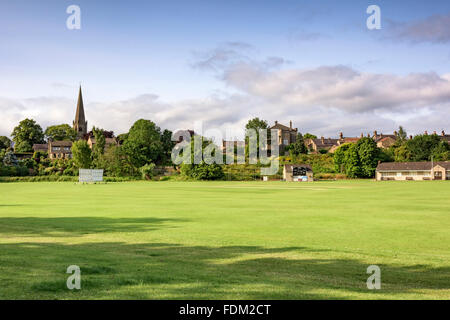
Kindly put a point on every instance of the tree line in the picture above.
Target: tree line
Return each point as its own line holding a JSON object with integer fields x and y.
{"x": 146, "y": 145}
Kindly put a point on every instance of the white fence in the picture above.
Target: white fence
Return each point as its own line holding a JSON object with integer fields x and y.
{"x": 90, "y": 175}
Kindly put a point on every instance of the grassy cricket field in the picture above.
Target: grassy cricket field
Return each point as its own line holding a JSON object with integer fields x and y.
{"x": 225, "y": 240}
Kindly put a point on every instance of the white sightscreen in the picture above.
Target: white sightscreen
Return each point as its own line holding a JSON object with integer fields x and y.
{"x": 90, "y": 175}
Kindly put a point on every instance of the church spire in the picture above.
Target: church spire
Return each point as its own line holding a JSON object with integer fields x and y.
{"x": 80, "y": 123}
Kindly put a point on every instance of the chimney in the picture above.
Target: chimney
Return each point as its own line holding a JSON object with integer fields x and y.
{"x": 362, "y": 135}
{"x": 290, "y": 124}
{"x": 322, "y": 139}
{"x": 341, "y": 135}
{"x": 276, "y": 122}
{"x": 443, "y": 133}
{"x": 426, "y": 132}
{"x": 375, "y": 133}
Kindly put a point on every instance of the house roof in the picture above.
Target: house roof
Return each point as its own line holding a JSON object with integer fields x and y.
{"x": 350, "y": 140}
{"x": 383, "y": 136}
{"x": 327, "y": 143}
{"x": 282, "y": 127}
{"x": 406, "y": 166}
{"x": 385, "y": 139}
{"x": 64, "y": 143}
{"x": 38, "y": 146}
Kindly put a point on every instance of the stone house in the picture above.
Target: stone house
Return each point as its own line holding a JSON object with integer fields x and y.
{"x": 286, "y": 135}
{"x": 40, "y": 147}
{"x": 60, "y": 149}
{"x": 108, "y": 141}
{"x": 385, "y": 141}
{"x": 315, "y": 145}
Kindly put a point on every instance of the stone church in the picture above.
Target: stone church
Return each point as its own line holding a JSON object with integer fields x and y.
{"x": 80, "y": 123}
{"x": 63, "y": 149}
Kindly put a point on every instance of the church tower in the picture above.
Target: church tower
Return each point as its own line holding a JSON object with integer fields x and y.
{"x": 80, "y": 123}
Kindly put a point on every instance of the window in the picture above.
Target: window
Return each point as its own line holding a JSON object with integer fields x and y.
{"x": 387, "y": 174}
{"x": 56, "y": 148}
{"x": 285, "y": 142}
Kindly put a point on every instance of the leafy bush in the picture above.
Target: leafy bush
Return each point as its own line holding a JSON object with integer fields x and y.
{"x": 202, "y": 171}
{"x": 320, "y": 163}
{"x": 148, "y": 171}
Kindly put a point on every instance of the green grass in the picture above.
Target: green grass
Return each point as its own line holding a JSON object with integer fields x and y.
{"x": 225, "y": 240}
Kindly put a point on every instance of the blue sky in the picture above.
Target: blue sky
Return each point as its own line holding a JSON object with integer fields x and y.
{"x": 154, "y": 52}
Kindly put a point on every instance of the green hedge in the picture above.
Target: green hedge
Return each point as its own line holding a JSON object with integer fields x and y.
{"x": 55, "y": 178}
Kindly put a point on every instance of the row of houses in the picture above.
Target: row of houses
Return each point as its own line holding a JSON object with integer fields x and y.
{"x": 63, "y": 149}
{"x": 287, "y": 135}
{"x": 383, "y": 141}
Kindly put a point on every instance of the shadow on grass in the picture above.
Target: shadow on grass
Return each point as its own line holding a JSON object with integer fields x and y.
{"x": 168, "y": 271}
{"x": 78, "y": 226}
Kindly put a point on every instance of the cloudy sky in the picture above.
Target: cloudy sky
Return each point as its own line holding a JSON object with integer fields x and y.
{"x": 224, "y": 62}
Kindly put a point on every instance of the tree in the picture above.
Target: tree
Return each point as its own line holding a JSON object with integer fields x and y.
{"x": 27, "y": 133}
{"x": 368, "y": 154}
{"x": 339, "y": 157}
{"x": 421, "y": 146}
{"x": 5, "y": 143}
{"x": 122, "y": 137}
{"x": 143, "y": 144}
{"x": 257, "y": 124}
{"x": 82, "y": 154}
{"x": 402, "y": 154}
{"x": 117, "y": 163}
{"x": 202, "y": 170}
{"x": 167, "y": 145}
{"x": 99, "y": 147}
{"x": 298, "y": 147}
{"x": 309, "y": 136}
{"x": 60, "y": 132}
{"x": 441, "y": 152}
{"x": 401, "y": 134}
{"x": 352, "y": 163}
{"x": 358, "y": 160}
